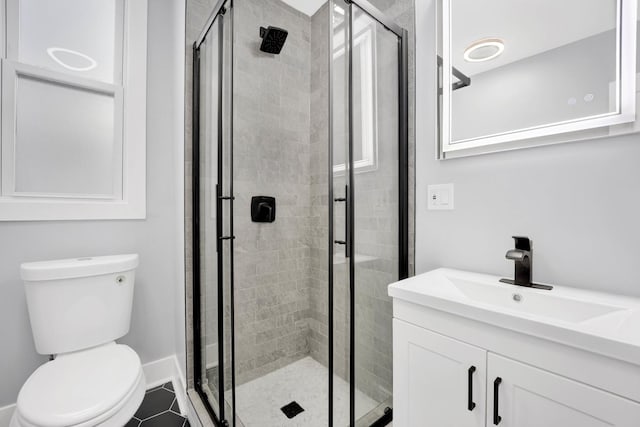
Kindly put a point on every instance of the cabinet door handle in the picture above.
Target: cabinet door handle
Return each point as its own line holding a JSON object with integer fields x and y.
{"x": 496, "y": 386}
{"x": 470, "y": 403}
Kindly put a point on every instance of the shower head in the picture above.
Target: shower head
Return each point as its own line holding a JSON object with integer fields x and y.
{"x": 273, "y": 39}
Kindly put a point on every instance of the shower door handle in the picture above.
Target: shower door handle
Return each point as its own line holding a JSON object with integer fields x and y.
{"x": 219, "y": 218}
{"x": 345, "y": 242}
{"x": 347, "y": 223}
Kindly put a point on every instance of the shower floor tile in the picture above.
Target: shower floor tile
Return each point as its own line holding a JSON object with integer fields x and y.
{"x": 258, "y": 402}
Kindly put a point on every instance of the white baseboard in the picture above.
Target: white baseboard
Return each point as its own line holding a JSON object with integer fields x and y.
{"x": 156, "y": 373}
{"x": 164, "y": 370}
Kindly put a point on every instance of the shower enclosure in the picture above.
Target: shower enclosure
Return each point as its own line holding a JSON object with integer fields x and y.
{"x": 300, "y": 211}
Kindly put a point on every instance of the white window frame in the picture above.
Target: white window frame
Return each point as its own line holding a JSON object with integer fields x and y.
{"x": 368, "y": 158}
{"x": 130, "y": 93}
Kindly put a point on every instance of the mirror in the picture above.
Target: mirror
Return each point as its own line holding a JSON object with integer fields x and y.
{"x": 523, "y": 73}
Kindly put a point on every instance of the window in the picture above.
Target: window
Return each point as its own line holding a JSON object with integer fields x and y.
{"x": 73, "y": 116}
{"x": 365, "y": 143}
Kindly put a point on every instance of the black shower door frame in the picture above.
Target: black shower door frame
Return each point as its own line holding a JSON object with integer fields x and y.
{"x": 403, "y": 190}
{"x": 221, "y": 9}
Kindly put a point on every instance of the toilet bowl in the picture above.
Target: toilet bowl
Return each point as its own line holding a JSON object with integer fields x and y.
{"x": 77, "y": 310}
{"x": 103, "y": 386}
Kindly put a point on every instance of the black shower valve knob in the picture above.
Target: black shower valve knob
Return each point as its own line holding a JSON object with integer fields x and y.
{"x": 263, "y": 209}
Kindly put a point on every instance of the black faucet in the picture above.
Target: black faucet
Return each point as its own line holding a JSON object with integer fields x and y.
{"x": 522, "y": 256}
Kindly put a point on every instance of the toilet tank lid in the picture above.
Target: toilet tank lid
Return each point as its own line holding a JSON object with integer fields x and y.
{"x": 77, "y": 267}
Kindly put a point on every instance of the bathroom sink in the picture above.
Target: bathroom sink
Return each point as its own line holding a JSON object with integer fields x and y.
{"x": 542, "y": 303}
{"x": 595, "y": 321}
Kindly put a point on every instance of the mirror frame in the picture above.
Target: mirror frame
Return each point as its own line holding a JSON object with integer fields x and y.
{"x": 621, "y": 121}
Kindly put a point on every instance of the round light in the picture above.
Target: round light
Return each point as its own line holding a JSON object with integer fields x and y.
{"x": 484, "y": 50}
{"x": 54, "y": 54}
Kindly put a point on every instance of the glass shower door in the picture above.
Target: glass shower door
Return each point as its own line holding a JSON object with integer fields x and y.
{"x": 369, "y": 112}
{"x": 212, "y": 215}
{"x": 376, "y": 152}
{"x": 339, "y": 175}
{"x": 282, "y": 301}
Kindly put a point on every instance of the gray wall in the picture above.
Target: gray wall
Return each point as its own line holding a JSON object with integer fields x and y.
{"x": 271, "y": 158}
{"x": 177, "y": 13}
{"x": 579, "y": 202}
{"x": 155, "y": 332}
{"x": 319, "y": 140}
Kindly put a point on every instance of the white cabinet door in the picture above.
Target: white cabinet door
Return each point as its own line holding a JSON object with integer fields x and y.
{"x": 532, "y": 397}
{"x": 431, "y": 376}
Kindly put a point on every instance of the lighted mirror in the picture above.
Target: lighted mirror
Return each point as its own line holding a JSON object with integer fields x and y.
{"x": 520, "y": 73}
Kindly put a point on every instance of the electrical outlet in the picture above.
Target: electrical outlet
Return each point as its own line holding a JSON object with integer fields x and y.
{"x": 440, "y": 197}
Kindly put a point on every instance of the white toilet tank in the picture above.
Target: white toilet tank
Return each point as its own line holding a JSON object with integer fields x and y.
{"x": 79, "y": 303}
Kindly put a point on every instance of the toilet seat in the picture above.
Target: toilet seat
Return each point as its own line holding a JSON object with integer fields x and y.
{"x": 100, "y": 386}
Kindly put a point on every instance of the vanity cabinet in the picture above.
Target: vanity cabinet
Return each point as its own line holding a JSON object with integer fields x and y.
{"x": 441, "y": 381}
{"x": 438, "y": 381}
{"x": 532, "y": 397}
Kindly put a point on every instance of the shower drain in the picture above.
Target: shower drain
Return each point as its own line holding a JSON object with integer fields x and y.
{"x": 292, "y": 409}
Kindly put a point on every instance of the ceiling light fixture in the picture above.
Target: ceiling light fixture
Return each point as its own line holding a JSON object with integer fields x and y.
{"x": 484, "y": 50}
{"x": 53, "y": 53}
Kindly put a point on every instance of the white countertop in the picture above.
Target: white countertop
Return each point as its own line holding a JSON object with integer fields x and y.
{"x": 594, "y": 321}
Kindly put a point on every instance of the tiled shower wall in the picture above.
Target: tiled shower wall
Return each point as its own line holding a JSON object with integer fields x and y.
{"x": 318, "y": 320}
{"x": 271, "y": 158}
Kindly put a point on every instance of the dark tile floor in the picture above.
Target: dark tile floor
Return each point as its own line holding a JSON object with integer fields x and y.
{"x": 159, "y": 409}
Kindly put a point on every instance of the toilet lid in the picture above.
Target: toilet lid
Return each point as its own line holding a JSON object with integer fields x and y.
{"x": 77, "y": 387}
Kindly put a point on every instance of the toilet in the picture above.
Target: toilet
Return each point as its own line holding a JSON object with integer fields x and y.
{"x": 78, "y": 308}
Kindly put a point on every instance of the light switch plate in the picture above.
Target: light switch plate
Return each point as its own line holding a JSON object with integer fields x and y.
{"x": 440, "y": 197}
